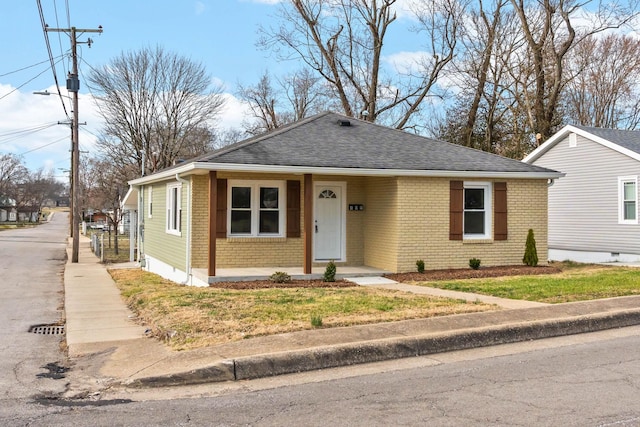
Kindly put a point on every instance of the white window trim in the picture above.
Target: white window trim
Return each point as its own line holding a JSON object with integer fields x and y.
{"x": 169, "y": 209}
{"x": 488, "y": 209}
{"x": 255, "y": 207}
{"x": 150, "y": 203}
{"x": 621, "y": 181}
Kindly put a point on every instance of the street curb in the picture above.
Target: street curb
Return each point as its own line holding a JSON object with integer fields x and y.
{"x": 267, "y": 365}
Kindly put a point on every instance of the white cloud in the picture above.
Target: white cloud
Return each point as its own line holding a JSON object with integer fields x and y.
{"x": 262, "y": 1}
{"x": 407, "y": 62}
{"x": 200, "y": 7}
{"x": 22, "y": 114}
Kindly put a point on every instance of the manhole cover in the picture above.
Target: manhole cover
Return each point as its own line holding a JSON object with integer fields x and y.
{"x": 47, "y": 329}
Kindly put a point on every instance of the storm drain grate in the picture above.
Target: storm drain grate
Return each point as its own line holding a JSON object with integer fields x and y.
{"x": 47, "y": 329}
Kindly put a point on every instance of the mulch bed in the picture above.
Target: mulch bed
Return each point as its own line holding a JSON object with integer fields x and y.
{"x": 428, "y": 275}
{"x": 468, "y": 273}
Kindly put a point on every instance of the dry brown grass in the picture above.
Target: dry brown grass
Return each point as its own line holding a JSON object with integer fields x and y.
{"x": 188, "y": 317}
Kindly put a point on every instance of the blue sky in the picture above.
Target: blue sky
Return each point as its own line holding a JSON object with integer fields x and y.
{"x": 219, "y": 33}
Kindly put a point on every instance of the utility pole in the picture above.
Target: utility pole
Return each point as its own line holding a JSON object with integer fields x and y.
{"x": 73, "y": 85}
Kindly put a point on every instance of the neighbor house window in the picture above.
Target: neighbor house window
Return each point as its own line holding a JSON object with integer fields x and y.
{"x": 628, "y": 200}
{"x": 256, "y": 208}
{"x": 174, "y": 208}
{"x": 477, "y": 210}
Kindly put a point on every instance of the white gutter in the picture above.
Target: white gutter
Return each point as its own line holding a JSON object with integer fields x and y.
{"x": 196, "y": 167}
{"x": 188, "y": 251}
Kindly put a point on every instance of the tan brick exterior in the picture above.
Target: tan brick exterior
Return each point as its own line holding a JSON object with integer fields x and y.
{"x": 404, "y": 219}
{"x": 424, "y": 225}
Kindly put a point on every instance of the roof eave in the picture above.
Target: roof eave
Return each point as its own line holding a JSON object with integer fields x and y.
{"x": 562, "y": 133}
{"x": 195, "y": 167}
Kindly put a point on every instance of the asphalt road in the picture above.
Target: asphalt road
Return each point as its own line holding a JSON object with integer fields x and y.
{"x": 31, "y": 286}
{"x": 586, "y": 380}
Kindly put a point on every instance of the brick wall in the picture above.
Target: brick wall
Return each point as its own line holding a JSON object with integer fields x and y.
{"x": 424, "y": 225}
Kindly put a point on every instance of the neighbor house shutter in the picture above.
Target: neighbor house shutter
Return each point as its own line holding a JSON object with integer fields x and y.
{"x": 500, "y": 211}
{"x": 456, "y": 196}
{"x": 221, "y": 208}
{"x": 293, "y": 208}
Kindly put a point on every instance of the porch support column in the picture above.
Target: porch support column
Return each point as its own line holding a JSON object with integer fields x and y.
{"x": 213, "y": 212}
{"x": 308, "y": 222}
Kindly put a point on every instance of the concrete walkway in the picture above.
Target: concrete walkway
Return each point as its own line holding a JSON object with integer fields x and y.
{"x": 107, "y": 345}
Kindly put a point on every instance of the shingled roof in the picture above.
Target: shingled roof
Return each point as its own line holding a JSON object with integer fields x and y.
{"x": 623, "y": 141}
{"x": 332, "y": 143}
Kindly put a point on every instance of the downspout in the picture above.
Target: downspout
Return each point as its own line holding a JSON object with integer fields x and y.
{"x": 140, "y": 226}
{"x": 188, "y": 251}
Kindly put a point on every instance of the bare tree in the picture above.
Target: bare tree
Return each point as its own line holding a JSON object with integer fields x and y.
{"x": 342, "y": 41}
{"x": 12, "y": 173}
{"x": 157, "y": 106}
{"x": 35, "y": 188}
{"x": 274, "y": 104}
{"x": 549, "y": 28}
{"x": 605, "y": 93}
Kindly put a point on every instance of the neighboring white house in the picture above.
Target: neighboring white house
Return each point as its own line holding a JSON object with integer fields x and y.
{"x": 593, "y": 209}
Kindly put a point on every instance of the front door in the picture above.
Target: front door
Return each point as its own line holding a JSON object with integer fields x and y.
{"x": 328, "y": 222}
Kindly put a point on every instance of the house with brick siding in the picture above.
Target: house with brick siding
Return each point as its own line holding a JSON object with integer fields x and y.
{"x": 331, "y": 187}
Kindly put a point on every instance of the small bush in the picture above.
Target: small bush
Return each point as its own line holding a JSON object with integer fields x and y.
{"x": 530, "y": 253}
{"x": 316, "y": 321}
{"x": 280, "y": 277}
{"x": 474, "y": 263}
{"x": 330, "y": 272}
{"x": 420, "y": 266}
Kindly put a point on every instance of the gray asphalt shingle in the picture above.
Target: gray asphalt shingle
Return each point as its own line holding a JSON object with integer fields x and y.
{"x": 320, "y": 141}
{"x": 629, "y": 139}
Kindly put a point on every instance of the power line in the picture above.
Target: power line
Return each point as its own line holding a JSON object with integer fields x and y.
{"x": 64, "y": 138}
{"x": 53, "y": 68}
{"x": 27, "y": 67}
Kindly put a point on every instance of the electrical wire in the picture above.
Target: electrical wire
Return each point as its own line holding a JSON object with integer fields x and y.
{"x": 21, "y": 133}
{"x": 27, "y": 67}
{"x": 53, "y": 68}
{"x": 64, "y": 138}
{"x": 55, "y": 9}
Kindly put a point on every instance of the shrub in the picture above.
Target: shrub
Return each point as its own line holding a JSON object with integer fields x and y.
{"x": 420, "y": 266}
{"x": 280, "y": 277}
{"x": 530, "y": 253}
{"x": 330, "y": 272}
{"x": 474, "y": 263}
{"x": 316, "y": 321}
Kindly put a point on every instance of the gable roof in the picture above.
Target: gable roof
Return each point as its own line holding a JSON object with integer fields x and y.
{"x": 626, "y": 142}
{"x": 330, "y": 143}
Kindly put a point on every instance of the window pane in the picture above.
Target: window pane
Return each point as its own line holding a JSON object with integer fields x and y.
{"x": 240, "y": 222}
{"x": 268, "y": 198}
{"x": 474, "y": 198}
{"x": 241, "y": 197}
{"x": 630, "y": 210}
{"x": 473, "y": 222}
{"x": 269, "y": 222}
{"x": 629, "y": 191}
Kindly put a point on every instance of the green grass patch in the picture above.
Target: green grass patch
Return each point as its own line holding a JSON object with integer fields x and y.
{"x": 189, "y": 317}
{"x": 577, "y": 282}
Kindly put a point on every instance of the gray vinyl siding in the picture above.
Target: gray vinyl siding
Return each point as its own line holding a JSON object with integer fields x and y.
{"x": 583, "y": 205}
{"x": 159, "y": 244}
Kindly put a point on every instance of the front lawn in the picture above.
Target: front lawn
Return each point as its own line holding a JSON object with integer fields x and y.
{"x": 575, "y": 282}
{"x": 189, "y": 317}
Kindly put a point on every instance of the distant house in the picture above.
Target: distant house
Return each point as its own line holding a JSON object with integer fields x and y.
{"x": 8, "y": 211}
{"x": 331, "y": 187}
{"x": 593, "y": 210}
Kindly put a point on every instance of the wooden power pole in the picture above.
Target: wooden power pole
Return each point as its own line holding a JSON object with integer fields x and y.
{"x": 73, "y": 85}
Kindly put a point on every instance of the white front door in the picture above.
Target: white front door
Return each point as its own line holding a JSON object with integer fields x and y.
{"x": 329, "y": 236}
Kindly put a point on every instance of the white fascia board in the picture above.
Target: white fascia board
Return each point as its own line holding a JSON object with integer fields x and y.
{"x": 196, "y": 167}
{"x": 130, "y": 201}
{"x": 562, "y": 133}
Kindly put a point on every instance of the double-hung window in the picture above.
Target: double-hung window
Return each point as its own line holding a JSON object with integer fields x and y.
{"x": 256, "y": 208}
{"x": 477, "y": 210}
{"x": 174, "y": 208}
{"x": 628, "y": 200}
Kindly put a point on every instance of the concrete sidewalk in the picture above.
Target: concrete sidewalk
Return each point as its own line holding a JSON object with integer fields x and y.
{"x": 101, "y": 330}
